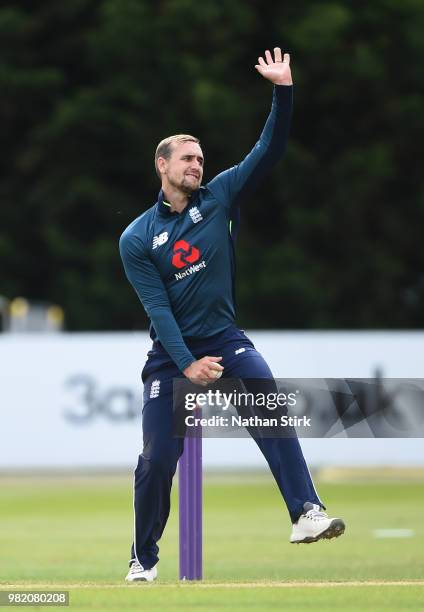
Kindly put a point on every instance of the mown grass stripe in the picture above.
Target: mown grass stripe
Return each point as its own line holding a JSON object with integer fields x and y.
{"x": 211, "y": 585}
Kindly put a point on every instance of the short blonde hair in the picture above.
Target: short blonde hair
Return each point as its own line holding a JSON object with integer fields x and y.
{"x": 166, "y": 146}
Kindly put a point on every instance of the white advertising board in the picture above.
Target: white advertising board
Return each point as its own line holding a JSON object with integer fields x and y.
{"x": 74, "y": 400}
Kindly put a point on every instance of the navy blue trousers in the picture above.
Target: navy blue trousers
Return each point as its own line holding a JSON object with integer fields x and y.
{"x": 161, "y": 450}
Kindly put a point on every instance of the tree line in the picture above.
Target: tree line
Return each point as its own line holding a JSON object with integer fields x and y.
{"x": 331, "y": 239}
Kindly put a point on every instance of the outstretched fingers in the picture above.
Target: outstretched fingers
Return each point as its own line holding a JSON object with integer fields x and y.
{"x": 277, "y": 54}
{"x": 269, "y": 57}
{"x": 275, "y": 67}
{"x": 262, "y": 63}
{"x": 278, "y": 57}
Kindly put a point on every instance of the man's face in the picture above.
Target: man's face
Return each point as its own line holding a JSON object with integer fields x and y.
{"x": 184, "y": 169}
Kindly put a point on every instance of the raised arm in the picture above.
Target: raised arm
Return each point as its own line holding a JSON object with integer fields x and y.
{"x": 229, "y": 185}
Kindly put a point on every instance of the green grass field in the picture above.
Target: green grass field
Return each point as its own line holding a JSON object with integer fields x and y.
{"x": 74, "y": 533}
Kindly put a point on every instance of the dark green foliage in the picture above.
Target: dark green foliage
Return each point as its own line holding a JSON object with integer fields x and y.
{"x": 88, "y": 88}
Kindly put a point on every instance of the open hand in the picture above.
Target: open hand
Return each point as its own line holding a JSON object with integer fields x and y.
{"x": 276, "y": 70}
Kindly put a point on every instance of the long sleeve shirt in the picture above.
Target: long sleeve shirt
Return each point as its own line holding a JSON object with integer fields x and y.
{"x": 182, "y": 265}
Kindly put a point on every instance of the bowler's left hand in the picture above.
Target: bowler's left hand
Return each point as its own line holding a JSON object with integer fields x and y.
{"x": 277, "y": 69}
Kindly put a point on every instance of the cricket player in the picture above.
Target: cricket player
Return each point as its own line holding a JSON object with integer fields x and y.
{"x": 179, "y": 257}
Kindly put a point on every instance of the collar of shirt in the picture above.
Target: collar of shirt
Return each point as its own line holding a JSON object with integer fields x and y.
{"x": 164, "y": 207}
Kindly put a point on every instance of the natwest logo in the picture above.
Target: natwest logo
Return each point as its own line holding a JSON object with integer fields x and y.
{"x": 184, "y": 254}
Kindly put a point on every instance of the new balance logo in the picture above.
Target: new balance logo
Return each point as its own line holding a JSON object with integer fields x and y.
{"x": 154, "y": 389}
{"x": 238, "y": 351}
{"x": 195, "y": 214}
{"x": 159, "y": 240}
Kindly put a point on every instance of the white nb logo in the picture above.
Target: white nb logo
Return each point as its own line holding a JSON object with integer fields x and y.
{"x": 159, "y": 240}
{"x": 195, "y": 214}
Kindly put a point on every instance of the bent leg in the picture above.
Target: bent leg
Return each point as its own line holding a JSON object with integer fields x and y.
{"x": 284, "y": 455}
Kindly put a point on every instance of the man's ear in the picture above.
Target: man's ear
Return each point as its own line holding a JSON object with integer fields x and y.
{"x": 161, "y": 164}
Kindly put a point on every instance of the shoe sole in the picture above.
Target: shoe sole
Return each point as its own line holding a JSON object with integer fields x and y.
{"x": 334, "y": 530}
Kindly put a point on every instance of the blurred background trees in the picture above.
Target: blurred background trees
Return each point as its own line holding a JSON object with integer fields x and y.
{"x": 332, "y": 239}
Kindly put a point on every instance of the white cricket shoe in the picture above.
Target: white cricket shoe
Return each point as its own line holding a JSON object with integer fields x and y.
{"x": 138, "y": 573}
{"x": 314, "y": 525}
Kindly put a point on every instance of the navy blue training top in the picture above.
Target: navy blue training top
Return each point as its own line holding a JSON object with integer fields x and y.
{"x": 182, "y": 265}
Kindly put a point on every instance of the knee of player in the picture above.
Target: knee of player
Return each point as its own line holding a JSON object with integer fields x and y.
{"x": 161, "y": 461}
